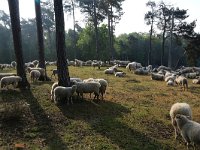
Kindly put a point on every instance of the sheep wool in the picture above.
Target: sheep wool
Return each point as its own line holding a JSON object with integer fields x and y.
{"x": 190, "y": 130}
{"x": 179, "y": 108}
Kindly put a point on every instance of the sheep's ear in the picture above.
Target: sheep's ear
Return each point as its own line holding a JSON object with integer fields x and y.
{"x": 188, "y": 117}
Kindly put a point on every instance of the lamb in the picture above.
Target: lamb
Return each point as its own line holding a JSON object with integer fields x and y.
{"x": 156, "y": 76}
{"x": 89, "y": 87}
{"x": 179, "y": 108}
{"x": 35, "y": 74}
{"x": 61, "y": 92}
{"x": 172, "y": 77}
{"x": 52, "y": 90}
{"x": 120, "y": 74}
{"x": 103, "y": 82}
{"x": 191, "y": 75}
{"x": 5, "y": 81}
{"x": 181, "y": 80}
{"x": 190, "y": 130}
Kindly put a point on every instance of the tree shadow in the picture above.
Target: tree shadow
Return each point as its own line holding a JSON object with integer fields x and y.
{"x": 34, "y": 128}
{"x": 103, "y": 117}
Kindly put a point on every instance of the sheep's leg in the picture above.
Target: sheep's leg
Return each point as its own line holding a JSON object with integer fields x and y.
{"x": 71, "y": 100}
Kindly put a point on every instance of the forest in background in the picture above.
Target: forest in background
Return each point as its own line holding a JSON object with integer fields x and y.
{"x": 81, "y": 42}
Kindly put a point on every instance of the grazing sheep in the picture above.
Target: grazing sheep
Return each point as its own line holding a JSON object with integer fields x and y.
{"x": 179, "y": 108}
{"x": 181, "y": 80}
{"x": 89, "y": 87}
{"x": 133, "y": 66}
{"x": 120, "y": 74}
{"x": 103, "y": 82}
{"x": 96, "y": 64}
{"x": 5, "y": 81}
{"x": 61, "y": 92}
{"x": 35, "y": 74}
{"x": 156, "y": 76}
{"x": 6, "y": 75}
{"x": 54, "y": 72}
{"x": 190, "y": 130}
{"x": 42, "y": 71}
{"x": 52, "y": 90}
{"x": 13, "y": 64}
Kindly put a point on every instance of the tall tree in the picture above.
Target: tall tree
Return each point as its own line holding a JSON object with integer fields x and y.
{"x": 150, "y": 19}
{"x": 93, "y": 15}
{"x": 16, "y": 30}
{"x": 112, "y": 9}
{"x": 40, "y": 34}
{"x": 163, "y": 25}
{"x": 62, "y": 66}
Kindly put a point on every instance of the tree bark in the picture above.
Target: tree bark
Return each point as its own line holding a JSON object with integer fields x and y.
{"x": 16, "y": 31}
{"x": 62, "y": 66}
{"x": 40, "y": 34}
{"x": 96, "y": 30}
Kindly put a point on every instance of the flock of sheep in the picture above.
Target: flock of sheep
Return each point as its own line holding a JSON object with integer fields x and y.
{"x": 180, "y": 113}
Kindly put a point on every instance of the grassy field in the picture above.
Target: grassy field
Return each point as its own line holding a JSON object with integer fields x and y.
{"x": 134, "y": 115}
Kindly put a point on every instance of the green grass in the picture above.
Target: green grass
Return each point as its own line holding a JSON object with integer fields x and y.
{"x": 134, "y": 115}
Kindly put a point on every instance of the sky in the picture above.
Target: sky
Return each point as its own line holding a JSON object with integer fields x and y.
{"x": 131, "y": 21}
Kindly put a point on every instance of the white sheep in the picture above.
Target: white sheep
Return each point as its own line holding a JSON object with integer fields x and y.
{"x": 5, "y": 81}
{"x": 35, "y": 74}
{"x": 120, "y": 74}
{"x": 6, "y": 75}
{"x": 103, "y": 82}
{"x": 41, "y": 70}
{"x": 170, "y": 82}
{"x": 61, "y": 92}
{"x": 89, "y": 87}
{"x": 181, "y": 80}
{"x": 110, "y": 71}
{"x": 133, "y": 66}
{"x": 52, "y": 90}
{"x": 190, "y": 130}
{"x": 196, "y": 81}
{"x": 179, "y": 108}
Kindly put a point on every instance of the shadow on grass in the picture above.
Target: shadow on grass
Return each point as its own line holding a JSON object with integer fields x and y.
{"x": 35, "y": 128}
{"x": 104, "y": 118}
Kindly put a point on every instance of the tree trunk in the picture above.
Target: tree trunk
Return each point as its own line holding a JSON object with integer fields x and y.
{"x": 40, "y": 34}
{"x": 16, "y": 31}
{"x": 62, "y": 66}
{"x": 150, "y": 44}
{"x": 109, "y": 35}
{"x": 40, "y": 38}
{"x": 171, "y": 40}
{"x": 74, "y": 32}
{"x": 163, "y": 46}
{"x": 96, "y": 30}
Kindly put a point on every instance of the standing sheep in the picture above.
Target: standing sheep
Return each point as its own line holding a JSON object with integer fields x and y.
{"x": 190, "y": 130}
{"x": 103, "y": 82}
{"x": 61, "y": 92}
{"x": 35, "y": 74}
{"x": 52, "y": 90}
{"x": 89, "y": 87}
{"x": 5, "y": 81}
{"x": 181, "y": 80}
{"x": 179, "y": 108}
